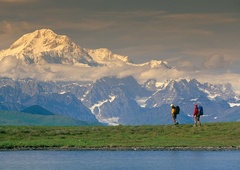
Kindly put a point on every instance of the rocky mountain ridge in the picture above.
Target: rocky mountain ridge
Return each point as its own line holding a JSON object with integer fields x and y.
{"x": 115, "y": 101}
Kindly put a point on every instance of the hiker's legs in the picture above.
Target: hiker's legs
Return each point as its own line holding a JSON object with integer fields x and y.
{"x": 174, "y": 117}
{"x": 174, "y": 120}
{"x": 195, "y": 121}
{"x": 199, "y": 123}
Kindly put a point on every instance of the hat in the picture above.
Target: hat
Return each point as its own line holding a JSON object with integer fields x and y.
{"x": 171, "y": 105}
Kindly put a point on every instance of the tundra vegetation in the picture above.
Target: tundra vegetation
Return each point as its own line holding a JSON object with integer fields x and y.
{"x": 120, "y": 137}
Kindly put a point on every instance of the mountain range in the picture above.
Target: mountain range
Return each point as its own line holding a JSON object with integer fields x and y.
{"x": 50, "y": 71}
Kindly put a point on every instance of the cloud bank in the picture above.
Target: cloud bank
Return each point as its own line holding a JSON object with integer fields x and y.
{"x": 11, "y": 67}
{"x": 216, "y": 62}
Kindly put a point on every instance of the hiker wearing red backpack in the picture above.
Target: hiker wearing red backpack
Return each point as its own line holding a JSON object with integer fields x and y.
{"x": 198, "y": 111}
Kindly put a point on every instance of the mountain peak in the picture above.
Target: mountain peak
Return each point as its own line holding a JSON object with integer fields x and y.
{"x": 102, "y": 55}
{"x": 156, "y": 64}
{"x": 41, "y": 40}
{"x": 45, "y": 46}
{"x": 45, "y": 32}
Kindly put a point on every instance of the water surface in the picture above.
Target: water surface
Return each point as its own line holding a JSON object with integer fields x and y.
{"x": 150, "y": 160}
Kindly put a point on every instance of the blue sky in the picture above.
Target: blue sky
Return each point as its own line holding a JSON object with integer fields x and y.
{"x": 190, "y": 34}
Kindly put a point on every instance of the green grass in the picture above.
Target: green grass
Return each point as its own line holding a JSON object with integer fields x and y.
{"x": 209, "y": 135}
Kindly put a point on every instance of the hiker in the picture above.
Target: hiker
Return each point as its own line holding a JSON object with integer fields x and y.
{"x": 196, "y": 114}
{"x": 175, "y": 111}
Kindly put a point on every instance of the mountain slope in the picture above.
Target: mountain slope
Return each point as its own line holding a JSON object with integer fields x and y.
{"x": 16, "y": 97}
{"x": 25, "y": 119}
{"x": 44, "y": 46}
{"x": 35, "y": 109}
{"x": 104, "y": 56}
{"x": 112, "y": 100}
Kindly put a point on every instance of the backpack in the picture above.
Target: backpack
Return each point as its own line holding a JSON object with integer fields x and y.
{"x": 177, "y": 109}
{"x": 200, "y": 110}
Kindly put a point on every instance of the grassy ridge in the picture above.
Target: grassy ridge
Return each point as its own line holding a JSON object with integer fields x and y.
{"x": 209, "y": 135}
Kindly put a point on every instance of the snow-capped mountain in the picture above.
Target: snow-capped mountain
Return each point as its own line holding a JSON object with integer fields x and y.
{"x": 104, "y": 55}
{"x": 112, "y": 100}
{"x": 155, "y": 64}
{"x": 188, "y": 89}
{"x": 50, "y": 56}
{"x": 45, "y": 46}
{"x": 218, "y": 100}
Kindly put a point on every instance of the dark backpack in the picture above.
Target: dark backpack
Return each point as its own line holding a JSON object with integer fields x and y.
{"x": 177, "y": 109}
{"x": 200, "y": 110}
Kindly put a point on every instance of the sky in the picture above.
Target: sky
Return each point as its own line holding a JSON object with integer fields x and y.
{"x": 192, "y": 35}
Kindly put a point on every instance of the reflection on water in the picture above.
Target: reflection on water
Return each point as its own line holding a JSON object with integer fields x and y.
{"x": 71, "y": 160}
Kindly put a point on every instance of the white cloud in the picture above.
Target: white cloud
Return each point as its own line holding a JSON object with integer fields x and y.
{"x": 8, "y": 64}
{"x": 10, "y": 67}
{"x": 186, "y": 65}
{"x": 216, "y": 61}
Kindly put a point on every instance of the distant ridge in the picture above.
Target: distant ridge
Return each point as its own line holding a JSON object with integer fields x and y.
{"x": 36, "y": 109}
{"x": 11, "y": 118}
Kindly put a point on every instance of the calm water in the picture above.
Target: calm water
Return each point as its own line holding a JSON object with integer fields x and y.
{"x": 71, "y": 160}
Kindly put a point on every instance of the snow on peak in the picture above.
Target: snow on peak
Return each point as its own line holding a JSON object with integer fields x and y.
{"x": 156, "y": 64}
{"x": 41, "y": 41}
{"x": 45, "y": 46}
{"x": 102, "y": 55}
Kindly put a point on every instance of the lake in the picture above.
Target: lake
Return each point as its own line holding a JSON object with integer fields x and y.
{"x": 108, "y": 160}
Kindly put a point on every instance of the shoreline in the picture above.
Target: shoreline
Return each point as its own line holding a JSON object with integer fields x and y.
{"x": 177, "y": 148}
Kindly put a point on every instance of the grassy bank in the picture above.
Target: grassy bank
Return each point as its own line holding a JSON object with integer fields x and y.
{"x": 209, "y": 135}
